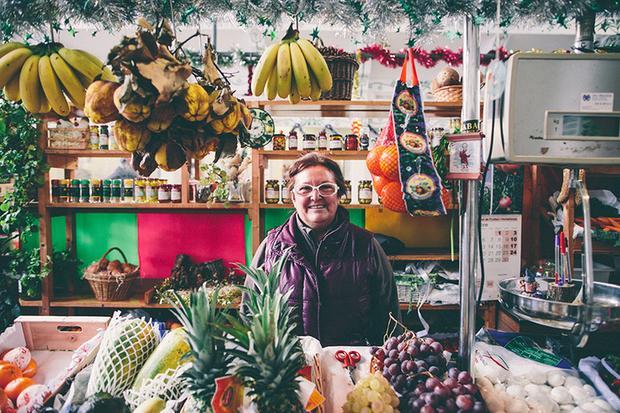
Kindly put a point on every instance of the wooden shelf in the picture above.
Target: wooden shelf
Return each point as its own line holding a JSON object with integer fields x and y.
{"x": 598, "y": 247}
{"x": 30, "y": 303}
{"x": 87, "y": 153}
{"x": 424, "y": 254}
{"x": 147, "y": 206}
{"x": 603, "y": 170}
{"x": 347, "y": 206}
{"x": 350, "y": 155}
{"x": 136, "y": 301}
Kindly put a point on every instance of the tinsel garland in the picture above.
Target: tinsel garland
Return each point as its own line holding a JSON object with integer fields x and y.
{"x": 422, "y": 16}
{"x": 425, "y": 58}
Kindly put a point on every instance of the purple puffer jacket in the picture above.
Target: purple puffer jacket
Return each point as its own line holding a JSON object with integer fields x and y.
{"x": 333, "y": 305}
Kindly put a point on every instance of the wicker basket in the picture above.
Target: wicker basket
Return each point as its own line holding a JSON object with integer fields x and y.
{"x": 449, "y": 93}
{"x": 109, "y": 287}
{"x": 342, "y": 68}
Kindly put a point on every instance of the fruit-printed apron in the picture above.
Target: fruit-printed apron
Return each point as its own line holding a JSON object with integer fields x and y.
{"x": 420, "y": 181}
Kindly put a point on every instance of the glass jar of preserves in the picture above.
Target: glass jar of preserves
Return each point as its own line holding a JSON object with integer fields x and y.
{"x": 163, "y": 193}
{"x": 106, "y": 191}
{"x": 309, "y": 142}
{"x": 175, "y": 194}
{"x": 55, "y": 190}
{"x": 364, "y": 141}
{"x": 64, "y": 191}
{"x": 279, "y": 142}
{"x": 272, "y": 191}
{"x": 292, "y": 141}
{"x": 103, "y": 137}
{"x": 323, "y": 141}
{"x": 94, "y": 137}
{"x": 351, "y": 142}
{"x": 364, "y": 192}
{"x": 128, "y": 192}
{"x": 335, "y": 142}
{"x": 85, "y": 190}
{"x": 139, "y": 190}
{"x": 286, "y": 195}
{"x": 152, "y": 185}
{"x": 346, "y": 198}
{"x": 74, "y": 191}
{"x": 95, "y": 190}
{"x": 193, "y": 191}
{"x": 115, "y": 196}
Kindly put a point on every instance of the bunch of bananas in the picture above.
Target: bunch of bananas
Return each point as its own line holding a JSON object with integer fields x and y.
{"x": 292, "y": 68}
{"x": 44, "y": 76}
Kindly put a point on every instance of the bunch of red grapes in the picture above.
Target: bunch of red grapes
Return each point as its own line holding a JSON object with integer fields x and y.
{"x": 415, "y": 367}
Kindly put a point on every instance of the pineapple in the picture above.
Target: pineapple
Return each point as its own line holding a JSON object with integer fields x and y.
{"x": 268, "y": 351}
{"x": 202, "y": 320}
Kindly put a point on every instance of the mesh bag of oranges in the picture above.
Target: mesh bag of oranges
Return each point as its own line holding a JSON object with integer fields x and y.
{"x": 18, "y": 390}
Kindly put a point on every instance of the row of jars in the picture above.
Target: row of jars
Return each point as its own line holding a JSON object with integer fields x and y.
{"x": 101, "y": 137}
{"x": 311, "y": 142}
{"x": 277, "y": 192}
{"x": 139, "y": 190}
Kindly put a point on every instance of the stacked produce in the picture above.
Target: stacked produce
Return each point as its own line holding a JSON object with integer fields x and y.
{"x": 160, "y": 117}
{"x": 372, "y": 394}
{"x": 416, "y": 369}
{"x": 292, "y": 68}
{"x": 48, "y": 76}
{"x": 18, "y": 390}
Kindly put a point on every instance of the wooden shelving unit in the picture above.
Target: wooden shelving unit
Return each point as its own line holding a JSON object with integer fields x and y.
{"x": 347, "y": 206}
{"x": 87, "y": 153}
{"x": 424, "y": 254}
{"x": 148, "y": 206}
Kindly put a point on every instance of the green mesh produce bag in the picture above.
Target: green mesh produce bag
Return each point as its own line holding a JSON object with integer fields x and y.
{"x": 126, "y": 345}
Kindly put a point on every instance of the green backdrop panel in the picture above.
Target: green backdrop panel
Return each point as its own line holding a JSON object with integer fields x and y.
{"x": 96, "y": 232}
{"x": 248, "y": 240}
{"x": 275, "y": 217}
{"x": 31, "y": 241}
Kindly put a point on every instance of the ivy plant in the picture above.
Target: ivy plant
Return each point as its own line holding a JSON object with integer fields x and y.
{"x": 21, "y": 163}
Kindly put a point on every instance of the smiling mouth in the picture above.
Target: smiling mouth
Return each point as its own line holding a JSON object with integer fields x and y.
{"x": 317, "y": 207}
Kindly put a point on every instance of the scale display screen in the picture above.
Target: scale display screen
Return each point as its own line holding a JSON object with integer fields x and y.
{"x": 584, "y": 125}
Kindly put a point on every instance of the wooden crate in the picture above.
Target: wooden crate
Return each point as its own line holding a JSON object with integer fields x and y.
{"x": 55, "y": 333}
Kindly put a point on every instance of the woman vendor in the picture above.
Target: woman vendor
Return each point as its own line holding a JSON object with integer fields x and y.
{"x": 341, "y": 280}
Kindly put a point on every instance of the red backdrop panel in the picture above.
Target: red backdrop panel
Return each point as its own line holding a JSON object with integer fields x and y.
{"x": 203, "y": 236}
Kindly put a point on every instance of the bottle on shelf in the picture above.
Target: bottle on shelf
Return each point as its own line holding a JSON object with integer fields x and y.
{"x": 364, "y": 140}
{"x": 279, "y": 142}
{"x": 364, "y": 192}
{"x": 127, "y": 195}
{"x": 323, "y": 141}
{"x": 286, "y": 198}
{"x": 74, "y": 191}
{"x": 346, "y": 198}
{"x": 139, "y": 191}
{"x": 85, "y": 191}
{"x": 56, "y": 188}
{"x": 272, "y": 191}
{"x": 112, "y": 140}
{"x": 103, "y": 137}
{"x": 115, "y": 195}
{"x": 106, "y": 191}
{"x": 94, "y": 137}
{"x": 95, "y": 190}
{"x": 335, "y": 142}
{"x": 292, "y": 141}
{"x": 309, "y": 142}
{"x": 351, "y": 142}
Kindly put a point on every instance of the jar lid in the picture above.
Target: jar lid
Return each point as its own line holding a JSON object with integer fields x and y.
{"x": 309, "y": 136}
{"x": 335, "y": 135}
{"x": 117, "y": 182}
{"x": 84, "y": 182}
{"x": 75, "y": 182}
{"x": 64, "y": 182}
{"x": 347, "y": 181}
{"x": 128, "y": 182}
{"x": 107, "y": 182}
{"x": 95, "y": 181}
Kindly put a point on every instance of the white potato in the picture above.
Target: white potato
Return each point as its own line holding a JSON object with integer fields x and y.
{"x": 555, "y": 379}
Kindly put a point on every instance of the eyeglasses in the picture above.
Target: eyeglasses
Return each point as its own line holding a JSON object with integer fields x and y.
{"x": 325, "y": 189}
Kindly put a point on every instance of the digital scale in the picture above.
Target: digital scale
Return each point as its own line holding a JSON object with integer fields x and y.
{"x": 560, "y": 109}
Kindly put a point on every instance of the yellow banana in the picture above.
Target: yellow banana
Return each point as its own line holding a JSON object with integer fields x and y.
{"x": 315, "y": 89}
{"x": 7, "y": 47}
{"x": 294, "y": 97}
{"x": 11, "y": 90}
{"x": 52, "y": 88}
{"x": 263, "y": 69}
{"x": 81, "y": 63}
{"x": 83, "y": 80}
{"x": 300, "y": 70}
{"x": 45, "y": 105}
{"x": 317, "y": 64}
{"x": 285, "y": 71}
{"x": 11, "y": 63}
{"x": 29, "y": 85}
{"x": 71, "y": 84}
{"x": 272, "y": 84}
{"x": 108, "y": 75}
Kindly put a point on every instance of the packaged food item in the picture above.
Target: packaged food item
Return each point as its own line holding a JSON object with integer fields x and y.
{"x": 279, "y": 142}
{"x": 309, "y": 142}
{"x": 139, "y": 191}
{"x": 112, "y": 140}
{"x": 292, "y": 141}
{"x": 364, "y": 141}
{"x": 351, "y": 142}
{"x": 335, "y": 142}
{"x": 95, "y": 190}
{"x": 323, "y": 141}
{"x": 93, "y": 131}
{"x": 103, "y": 137}
{"x": 85, "y": 191}
{"x": 152, "y": 185}
{"x": 64, "y": 191}
{"x": 272, "y": 191}
{"x": 128, "y": 191}
{"x": 115, "y": 195}
{"x": 286, "y": 198}
{"x": 346, "y": 198}
{"x": 106, "y": 191}
{"x": 175, "y": 194}
{"x": 364, "y": 192}
{"x": 74, "y": 191}
{"x": 164, "y": 193}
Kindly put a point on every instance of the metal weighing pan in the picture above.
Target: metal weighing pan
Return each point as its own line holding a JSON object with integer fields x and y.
{"x": 605, "y": 309}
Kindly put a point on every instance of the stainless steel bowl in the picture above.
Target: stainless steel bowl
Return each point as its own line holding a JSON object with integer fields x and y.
{"x": 605, "y": 308}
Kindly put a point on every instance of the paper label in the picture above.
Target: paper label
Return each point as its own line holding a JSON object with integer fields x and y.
{"x": 597, "y": 102}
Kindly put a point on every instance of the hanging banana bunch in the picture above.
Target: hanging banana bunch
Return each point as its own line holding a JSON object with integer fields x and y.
{"x": 292, "y": 68}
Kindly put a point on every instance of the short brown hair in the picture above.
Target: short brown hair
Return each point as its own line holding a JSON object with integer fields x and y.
{"x": 314, "y": 159}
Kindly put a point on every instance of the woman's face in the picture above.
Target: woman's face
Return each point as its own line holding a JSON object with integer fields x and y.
{"x": 315, "y": 210}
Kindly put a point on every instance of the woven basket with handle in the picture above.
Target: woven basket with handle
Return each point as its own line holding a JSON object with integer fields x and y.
{"x": 108, "y": 286}
{"x": 342, "y": 68}
{"x": 452, "y": 93}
